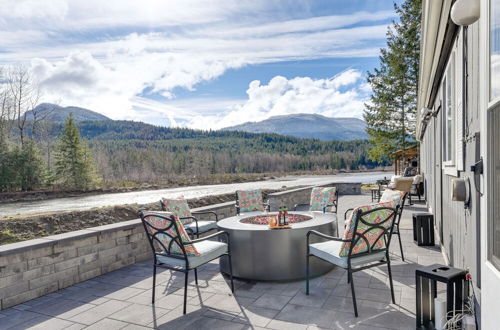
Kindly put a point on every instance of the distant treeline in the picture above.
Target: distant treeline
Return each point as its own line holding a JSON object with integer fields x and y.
{"x": 127, "y": 151}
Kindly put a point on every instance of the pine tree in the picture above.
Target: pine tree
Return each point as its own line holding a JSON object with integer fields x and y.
{"x": 74, "y": 164}
{"x": 30, "y": 166}
{"x": 391, "y": 114}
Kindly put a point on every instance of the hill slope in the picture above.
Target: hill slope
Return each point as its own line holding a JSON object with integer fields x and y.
{"x": 308, "y": 126}
{"x": 55, "y": 113}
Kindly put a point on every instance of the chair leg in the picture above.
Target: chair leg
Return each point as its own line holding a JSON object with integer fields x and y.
{"x": 353, "y": 294}
{"x": 307, "y": 273}
{"x": 390, "y": 279}
{"x": 154, "y": 283}
{"x": 196, "y": 276}
{"x": 231, "y": 272}
{"x": 185, "y": 289}
{"x": 401, "y": 245}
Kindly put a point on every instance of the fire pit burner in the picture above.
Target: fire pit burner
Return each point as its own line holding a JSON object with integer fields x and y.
{"x": 265, "y": 219}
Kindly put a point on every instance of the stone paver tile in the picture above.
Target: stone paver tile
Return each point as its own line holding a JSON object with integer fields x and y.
{"x": 200, "y": 299}
{"x": 139, "y": 314}
{"x": 75, "y": 326}
{"x": 64, "y": 309}
{"x": 15, "y": 317}
{"x": 212, "y": 323}
{"x": 136, "y": 327}
{"x": 387, "y": 319}
{"x": 107, "y": 324}
{"x": 280, "y": 325}
{"x": 316, "y": 297}
{"x": 306, "y": 315}
{"x": 256, "y": 316}
{"x": 124, "y": 293}
{"x": 43, "y": 322}
{"x": 176, "y": 320}
{"x": 343, "y": 304}
{"x": 272, "y": 301}
{"x": 100, "y": 312}
{"x": 227, "y": 302}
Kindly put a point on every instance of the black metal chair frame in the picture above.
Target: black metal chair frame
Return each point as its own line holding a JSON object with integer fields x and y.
{"x": 175, "y": 239}
{"x": 267, "y": 207}
{"x": 397, "y": 230}
{"x": 335, "y": 204}
{"x": 190, "y": 232}
{"x": 356, "y": 237}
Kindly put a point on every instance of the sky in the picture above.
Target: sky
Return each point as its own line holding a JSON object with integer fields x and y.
{"x": 202, "y": 64}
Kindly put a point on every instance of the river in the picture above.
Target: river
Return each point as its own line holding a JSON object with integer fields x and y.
{"x": 86, "y": 202}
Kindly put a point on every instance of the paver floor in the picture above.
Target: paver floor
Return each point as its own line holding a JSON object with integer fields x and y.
{"x": 122, "y": 299}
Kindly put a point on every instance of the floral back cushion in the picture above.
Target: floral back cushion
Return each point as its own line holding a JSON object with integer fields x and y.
{"x": 250, "y": 200}
{"x": 156, "y": 220}
{"x": 179, "y": 207}
{"x": 321, "y": 197}
{"x": 395, "y": 196}
{"x": 373, "y": 235}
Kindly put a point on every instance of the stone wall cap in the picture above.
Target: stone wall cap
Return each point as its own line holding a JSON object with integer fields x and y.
{"x": 213, "y": 206}
{"x": 124, "y": 225}
{"x": 23, "y": 246}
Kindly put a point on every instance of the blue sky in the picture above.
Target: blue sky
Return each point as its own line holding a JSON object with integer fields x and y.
{"x": 201, "y": 64}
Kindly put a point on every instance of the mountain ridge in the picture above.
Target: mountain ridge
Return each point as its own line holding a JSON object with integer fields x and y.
{"x": 308, "y": 126}
{"x": 55, "y": 113}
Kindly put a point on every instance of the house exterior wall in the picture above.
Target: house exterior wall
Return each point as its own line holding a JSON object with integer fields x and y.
{"x": 457, "y": 227}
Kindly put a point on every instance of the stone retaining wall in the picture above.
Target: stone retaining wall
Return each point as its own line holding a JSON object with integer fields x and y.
{"x": 33, "y": 268}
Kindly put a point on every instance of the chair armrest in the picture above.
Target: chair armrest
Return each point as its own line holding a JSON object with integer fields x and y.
{"x": 208, "y": 237}
{"x": 345, "y": 214}
{"x": 297, "y": 205}
{"x": 207, "y": 212}
{"x": 328, "y": 237}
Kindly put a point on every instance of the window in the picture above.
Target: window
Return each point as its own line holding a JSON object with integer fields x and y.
{"x": 494, "y": 219}
{"x": 494, "y": 49}
{"x": 451, "y": 110}
{"x": 494, "y": 137}
{"x": 449, "y": 113}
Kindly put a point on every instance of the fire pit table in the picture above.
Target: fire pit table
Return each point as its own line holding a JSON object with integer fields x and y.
{"x": 264, "y": 254}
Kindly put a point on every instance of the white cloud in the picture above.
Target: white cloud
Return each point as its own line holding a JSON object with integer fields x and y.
{"x": 111, "y": 56}
{"x": 340, "y": 96}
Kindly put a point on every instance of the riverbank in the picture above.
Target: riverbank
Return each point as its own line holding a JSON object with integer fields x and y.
{"x": 25, "y": 196}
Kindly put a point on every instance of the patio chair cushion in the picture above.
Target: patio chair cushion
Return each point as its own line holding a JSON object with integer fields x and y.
{"x": 179, "y": 207}
{"x": 203, "y": 226}
{"x": 321, "y": 197}
{"x": 391, "y": 195}
{"x": 208, "y": 250}
{"x": 374, "y": 235}
{"x": 250, "y": 200}
{"x": 162, "y": 220}
{"x": 329, "y": 251}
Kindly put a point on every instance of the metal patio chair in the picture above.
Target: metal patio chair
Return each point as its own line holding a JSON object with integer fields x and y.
{"x": 172, "y": 248}
{"x": 365, "y": 244}
{"x": 324, "y": 199}
{"x": 194, "y": 227}
{"x": 250, "y": 201}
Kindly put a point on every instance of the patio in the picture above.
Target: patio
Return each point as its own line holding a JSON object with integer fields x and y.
{"x": 122, "y": 299}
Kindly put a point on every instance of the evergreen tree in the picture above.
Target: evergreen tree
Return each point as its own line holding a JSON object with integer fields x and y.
{"x": 74, "y": 164}
{"x": 391, "y": 114}
{"x": 30, "y": 166}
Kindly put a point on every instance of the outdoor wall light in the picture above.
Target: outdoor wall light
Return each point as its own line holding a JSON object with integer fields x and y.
{"x": 465, "y": 12}
{"x": 461, "y": 191}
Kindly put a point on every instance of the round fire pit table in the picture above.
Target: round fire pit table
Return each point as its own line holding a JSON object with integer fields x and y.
{"x": 264, "y": 254}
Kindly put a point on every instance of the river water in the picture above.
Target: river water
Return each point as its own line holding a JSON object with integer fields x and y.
{"x": 149, "y": 196}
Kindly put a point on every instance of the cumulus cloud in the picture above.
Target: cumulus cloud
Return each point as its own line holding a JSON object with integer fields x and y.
{"x": 117, "y": 56}
{"x": 340, "y": 96}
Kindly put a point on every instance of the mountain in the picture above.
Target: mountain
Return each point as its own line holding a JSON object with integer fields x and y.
{"x": 311, "y": 126}
{"x": 55, "y": 113}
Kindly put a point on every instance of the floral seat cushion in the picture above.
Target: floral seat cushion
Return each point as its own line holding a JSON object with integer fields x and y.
{"x": 374, "y": 236}
{"x": 162, "y": 221}
{"x": 391, "y": 195}
{"x": 179, "y": 207}
{"x": 322, "y": 197}
{"x": 250, "y": 200}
